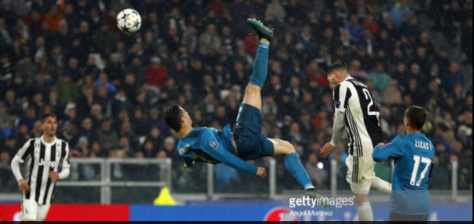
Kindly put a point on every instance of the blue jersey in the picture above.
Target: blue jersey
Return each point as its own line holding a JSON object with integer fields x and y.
{"x": 210, "y": 145}
{"x": 413, "y": 156}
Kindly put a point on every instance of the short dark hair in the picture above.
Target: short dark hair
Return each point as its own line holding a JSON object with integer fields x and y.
{"x": 45, "y": 117}
{"x": 416, "y": 115}
{"x": 173, "y": 116}
{"x": 338, "y": 66}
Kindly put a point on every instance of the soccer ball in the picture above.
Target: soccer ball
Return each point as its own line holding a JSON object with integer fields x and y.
{"x": 129, "y": 21}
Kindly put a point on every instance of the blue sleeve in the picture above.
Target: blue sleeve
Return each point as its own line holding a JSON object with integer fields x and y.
{"x": 210, "y": 145}
{"x": 393, "y": 149}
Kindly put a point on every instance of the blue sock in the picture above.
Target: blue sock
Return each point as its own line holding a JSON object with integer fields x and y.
{"x": 260, "y": 66}
{"x": 293, "y": 164}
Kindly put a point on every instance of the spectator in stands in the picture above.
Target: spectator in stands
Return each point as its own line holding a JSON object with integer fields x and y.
{"x": 148, "y": 149}
{"x": 29, "y": 118}
{"x": 156, "y": 74}
{"x": 140, "y": 123}
{"x": 6, "y": 120}
{"x": 53, "y": 18}
{"x": 392, "y": 95}
{"x": 108, "y": 138}
{"x": 87, "y": 131}
{"x": 451, "y": 77}
{"x": 410, "y": 27}
{"x": 309, "y": 43}
{"x": 370, "y": 24}
{"x": 10, "y": 146}
{"x": 379, "y": 77}
{"x": 356, "y": 30}
{"x": 398, "y": 11}
{"x": 210, "y": 39}
{"x": 356, "y": 72}
{"x": 66, "y": 88}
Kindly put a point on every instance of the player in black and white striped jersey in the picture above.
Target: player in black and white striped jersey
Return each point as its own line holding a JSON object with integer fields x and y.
{"x": 357, "y": 111}
{"x": 44, "y": 157}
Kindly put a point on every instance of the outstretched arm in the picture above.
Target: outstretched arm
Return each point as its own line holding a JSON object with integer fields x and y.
{"x": 383, "y": 152}
{"x": 209, "y": 145}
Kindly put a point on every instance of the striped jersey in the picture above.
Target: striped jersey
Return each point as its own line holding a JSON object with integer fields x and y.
{"x": 42, "y": 158}
{"x": 361, "y": 116}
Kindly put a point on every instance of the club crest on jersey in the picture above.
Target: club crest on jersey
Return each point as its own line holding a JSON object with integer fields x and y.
{"x": 213, "y": 145}
{"x": 337, "y": 103}
{"x": 37, "y": 147}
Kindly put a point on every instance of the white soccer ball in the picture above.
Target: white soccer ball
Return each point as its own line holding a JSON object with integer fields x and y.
{"x": 129, "y": 21}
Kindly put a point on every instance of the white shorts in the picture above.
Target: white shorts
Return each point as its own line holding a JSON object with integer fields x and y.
{"x": 360, "y": 172}
{"x": 31, "y": 210}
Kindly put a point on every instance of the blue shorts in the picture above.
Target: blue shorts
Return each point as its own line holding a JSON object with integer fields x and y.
{"x": 250, "y": 141}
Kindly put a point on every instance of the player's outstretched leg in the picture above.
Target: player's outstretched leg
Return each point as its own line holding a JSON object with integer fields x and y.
{"x": 252, "y": 95}
{"x": 381, "y": 185}
{"x": 260, "y": 67}
{"x": 293, "y": 164}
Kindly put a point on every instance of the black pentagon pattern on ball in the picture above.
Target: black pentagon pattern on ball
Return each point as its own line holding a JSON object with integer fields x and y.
{"x": 125, "y": 29}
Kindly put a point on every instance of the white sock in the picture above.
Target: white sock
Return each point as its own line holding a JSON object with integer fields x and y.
{"x": 310, "y": 187}
{"x": 381, "y": 185}
{"x": 364, "y": 210}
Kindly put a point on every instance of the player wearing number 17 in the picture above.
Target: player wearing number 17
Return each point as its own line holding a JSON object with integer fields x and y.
{"x": 413, "y": 155}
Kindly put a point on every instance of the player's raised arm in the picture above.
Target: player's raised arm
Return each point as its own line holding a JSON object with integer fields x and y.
{"x": 210, "y": 145}
{"x": 383, "y": 152}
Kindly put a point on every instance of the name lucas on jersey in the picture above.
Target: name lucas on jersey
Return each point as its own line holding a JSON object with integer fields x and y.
{"x": 423, "y": 145}
{"x": 46, "y": 163}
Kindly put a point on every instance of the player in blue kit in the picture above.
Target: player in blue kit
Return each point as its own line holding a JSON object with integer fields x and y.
{"x": 247, "y": 141}
{"x": 413, "y": 154}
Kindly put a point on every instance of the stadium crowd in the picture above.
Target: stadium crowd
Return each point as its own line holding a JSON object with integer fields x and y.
{"x": 108, "y": 89}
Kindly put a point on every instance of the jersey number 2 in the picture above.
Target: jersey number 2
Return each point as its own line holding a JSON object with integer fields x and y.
{"x": 369, "y": 97}
{"x": 415, "y": 169}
